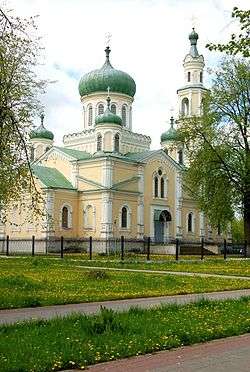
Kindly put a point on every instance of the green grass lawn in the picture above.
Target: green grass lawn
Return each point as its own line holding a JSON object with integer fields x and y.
{"x": 211, "y": 265}
{"x": 78, "y": 341}
{"x": 37, "y": 281}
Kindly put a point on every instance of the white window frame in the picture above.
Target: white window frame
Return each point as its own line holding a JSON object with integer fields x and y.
{"x": 70, "y": 216}
{"x": 128, "y": 218}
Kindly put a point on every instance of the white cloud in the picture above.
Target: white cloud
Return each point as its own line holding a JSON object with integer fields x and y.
{"x": 149, "y": 41}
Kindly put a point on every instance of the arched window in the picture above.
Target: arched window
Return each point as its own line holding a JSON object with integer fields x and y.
{"x": 65, "y": 217}
{"x": 99, "y": 143}
{"x": 201, "y": 77}
{"x": 162, "y": 187}
{"x": 113, "y": 108}
{"x": 190, "y": 222}
{"x": 189, "y": 76}
{"x": 185, "y": 106}
{"x": 100, "y": 109}
{"x": 90, "y": 115}
{"x": 117, "y": 143}
{"x": 156, "y": 187}
{"x": 124, "y": 218}
{"x": 180, "y": 156}
{"x": 124, "y": 115}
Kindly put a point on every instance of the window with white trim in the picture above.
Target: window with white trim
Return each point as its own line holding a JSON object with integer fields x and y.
{"x": 124, "y": 218}
{"x": 117, "y": 142}
{"x": 99, "y": 143}
{"x": 90, "y": 115}
{"x": 113, "y": 108}
{"x": 100, "y": 109}
{"x": 124, "y": 115}
{"x": 190, "y": 222}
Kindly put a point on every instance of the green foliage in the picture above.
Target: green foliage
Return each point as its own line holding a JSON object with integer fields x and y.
{"x": 238, "y": 230}
{"x": 98, "y": 274}
{"x": 19, "y": 90}
{"x": 218, "y": 146}
{"x": 77, "y": 341}
{"x": 239, "y": 43}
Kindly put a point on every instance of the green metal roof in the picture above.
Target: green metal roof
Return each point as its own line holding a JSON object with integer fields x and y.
{"x": 77, "y": 154}
{"x": 139, "y": 156}
{"x": 107, "y": 76}
{"x": 193, "y": 37}
{"x": 51, "y": 177}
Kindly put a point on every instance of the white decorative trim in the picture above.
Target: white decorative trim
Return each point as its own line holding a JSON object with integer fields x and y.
{"x": 128, "y": 217}
{"x": 193, "y": 222}
{"x": 70, "y": 216}
{"x": 85, "y": 217}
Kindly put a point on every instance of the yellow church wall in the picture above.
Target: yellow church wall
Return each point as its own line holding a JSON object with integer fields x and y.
{"x": 61, "y": 164}
{"x": 67, "y": 198}
{"x": 120, "y": 200}
{"x": 94, "y": 200}
{"x": 149, "y": 199}
{"x": 91, "y": 170}
{"x": 123, "y": 171}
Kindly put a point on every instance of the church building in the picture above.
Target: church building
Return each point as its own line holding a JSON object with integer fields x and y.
{"x": 105, "y": 181}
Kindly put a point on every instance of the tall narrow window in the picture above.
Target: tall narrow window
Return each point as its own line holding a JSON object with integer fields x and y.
{"x": 185, "y": 106}
{"x": 189, "y": 76}
{"x": 201, "y": 77}
{"x": 190, "y": 222}
{"x": 124, "y": 218}
{"x": 162, "y": 187}
{"x": 113, "y": 108}
{"x": 117, "y": 143}
{"x": 65, "y": 218}
{"x": 100, "y": 109}
{"x": 156, "y": 187}
{"x": 99, "y": 143}
{"x": 90, "y": 115}
{"x": 180, "y": 157}
{"x": 124, "y": 115}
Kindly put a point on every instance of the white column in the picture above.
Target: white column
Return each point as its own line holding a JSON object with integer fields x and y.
{"x": 106, "y": 222}
{"x": 48, "y": 218}
{"x": 74, "y": 174}
{"x": 107, "y": 173}
{"x": 178, "y": 205}
{"x": 140, "y": 205}
{"x": 202, "y": 224}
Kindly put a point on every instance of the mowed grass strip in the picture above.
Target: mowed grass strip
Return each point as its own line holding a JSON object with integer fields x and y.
{"x": 231, "y": 266}
{"x": 26, "y": 282}
{"x": 78, "y": 341}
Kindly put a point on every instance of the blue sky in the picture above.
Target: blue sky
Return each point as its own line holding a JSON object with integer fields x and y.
{"x": 149, "y": 41}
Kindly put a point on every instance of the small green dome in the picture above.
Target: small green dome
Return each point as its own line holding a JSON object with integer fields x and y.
{"x": 41, "y": 132}
{"x": 108, "y": 117}
{"x": 193, "y": 37}
{"x": 171, "y": 134}
{"x": 107, "y": 76}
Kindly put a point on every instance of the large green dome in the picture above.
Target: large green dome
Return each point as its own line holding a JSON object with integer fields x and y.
{"x": 41, "y": 132}
{"x": 107, "y": 76}
{"x": 108, "y": 117}
{"x": 171, "y": 134}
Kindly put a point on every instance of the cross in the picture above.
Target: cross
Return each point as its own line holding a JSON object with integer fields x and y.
{"x": 194, "y": 21}
{"x": 108, "y": 38}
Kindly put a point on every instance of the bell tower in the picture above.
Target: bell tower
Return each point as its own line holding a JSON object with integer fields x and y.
{"x": 190, "y": 95}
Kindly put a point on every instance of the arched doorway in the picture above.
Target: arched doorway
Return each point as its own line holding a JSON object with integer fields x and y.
{"x": 161, "y": 219}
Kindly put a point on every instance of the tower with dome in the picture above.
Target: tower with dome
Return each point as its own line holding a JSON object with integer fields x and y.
{"x": 105, "y": 181}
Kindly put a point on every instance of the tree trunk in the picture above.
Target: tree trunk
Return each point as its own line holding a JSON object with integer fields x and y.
{"x": 247, "y": 220}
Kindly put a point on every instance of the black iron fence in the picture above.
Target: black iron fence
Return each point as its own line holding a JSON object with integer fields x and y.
{"x": 122, "y": 248}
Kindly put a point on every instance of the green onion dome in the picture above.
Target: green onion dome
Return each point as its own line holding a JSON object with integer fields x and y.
{"x": 193, "y": 37}
{"x": 41, "y": 132}
{"x": 171, "y": 134}
{"x": 108, "y": 117}
{"x": 107, "y": 76}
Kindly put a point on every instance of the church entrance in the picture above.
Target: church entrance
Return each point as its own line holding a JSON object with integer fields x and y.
{"x": 161, "y": 220}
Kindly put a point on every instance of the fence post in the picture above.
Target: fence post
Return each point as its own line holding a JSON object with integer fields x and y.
{"x": 225, "y": 249}
{"x": 7, "y": 245}
{"x": 148, "y": 249}
{"x": 202, "y": 248}
{"x": 90, "y": 247}
{"x": 61, "y": 246}
{"x": 33, "y": 245}
{"x": 245, "y": 249}
{"x": 122, "y": 247}
{"x": 177, "y": 249}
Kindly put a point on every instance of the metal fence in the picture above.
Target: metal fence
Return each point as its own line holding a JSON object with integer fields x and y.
{"x": 122, "y": 248}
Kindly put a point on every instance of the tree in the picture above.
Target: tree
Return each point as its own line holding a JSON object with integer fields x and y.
{"x": 239, "y": 43}
{"x": 218, "y": 147}
{"x": 19, "y": 91}
{"x": 238, "y": 230}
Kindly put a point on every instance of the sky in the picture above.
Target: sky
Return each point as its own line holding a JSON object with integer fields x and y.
{"x": 149, "y": 41}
